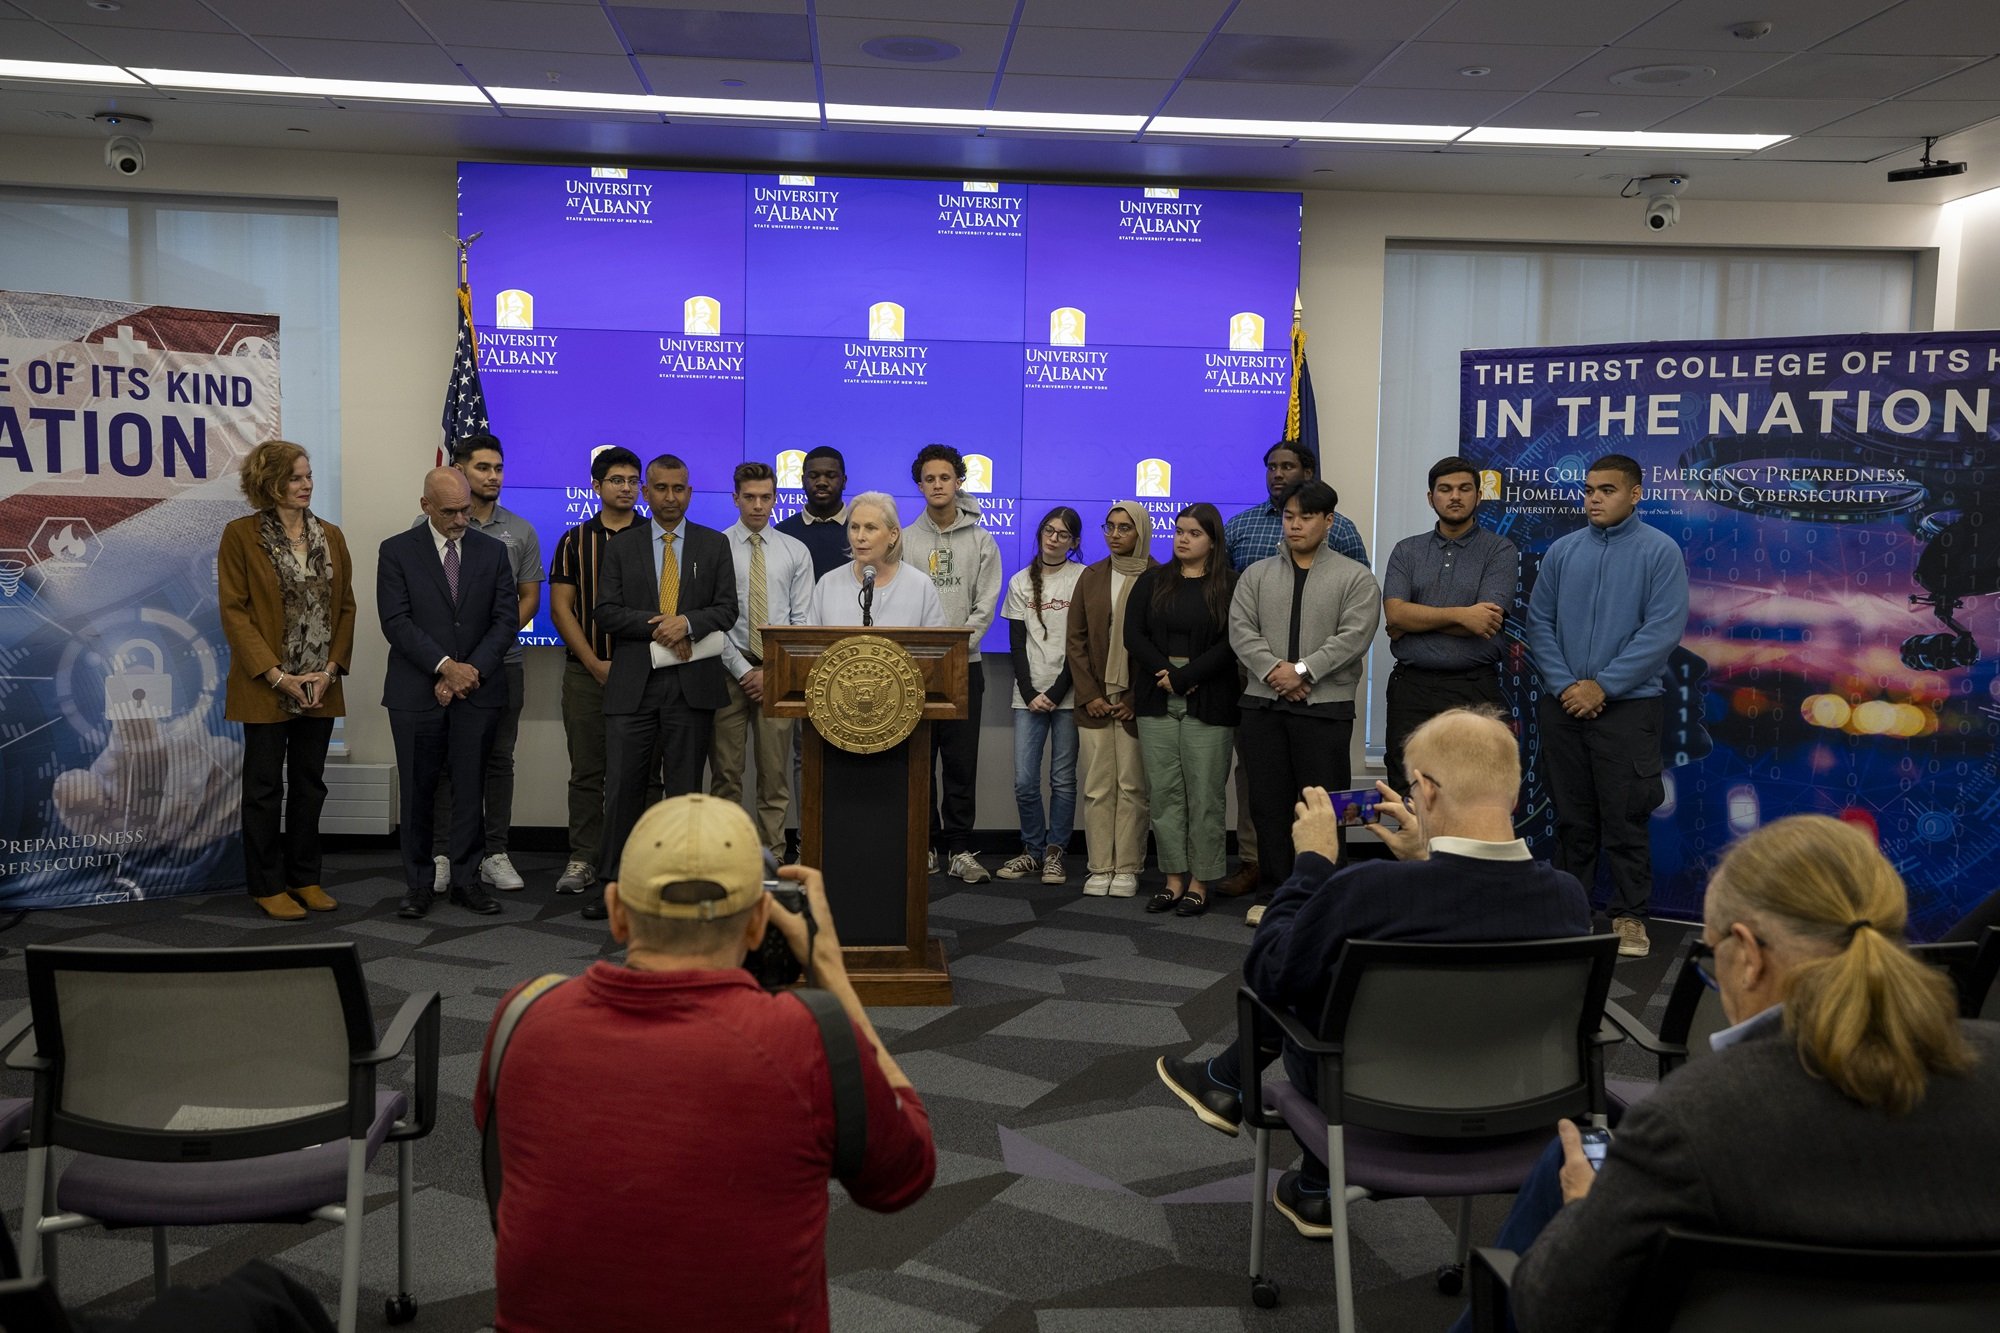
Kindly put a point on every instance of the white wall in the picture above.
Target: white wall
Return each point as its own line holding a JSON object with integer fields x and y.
{"x": 397, "y": 272}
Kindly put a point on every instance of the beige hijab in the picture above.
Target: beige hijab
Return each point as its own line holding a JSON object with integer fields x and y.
{"x": 1117, "y": 665}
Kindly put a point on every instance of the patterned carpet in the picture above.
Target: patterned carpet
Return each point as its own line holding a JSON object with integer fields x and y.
{"x": 1072, "y": 1193}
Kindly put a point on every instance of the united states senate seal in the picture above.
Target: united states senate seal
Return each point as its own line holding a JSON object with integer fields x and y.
{"x": 865, "y": 694}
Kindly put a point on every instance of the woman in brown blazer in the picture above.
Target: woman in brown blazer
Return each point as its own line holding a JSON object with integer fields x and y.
{"x": 286, "y": 586}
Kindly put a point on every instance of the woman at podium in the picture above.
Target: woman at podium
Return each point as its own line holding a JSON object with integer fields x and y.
{"x": 873, "y": 588}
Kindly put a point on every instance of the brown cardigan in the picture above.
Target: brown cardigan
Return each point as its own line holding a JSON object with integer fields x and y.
{"x": 1089, "y": 639}
{"x": 253, "y": 620}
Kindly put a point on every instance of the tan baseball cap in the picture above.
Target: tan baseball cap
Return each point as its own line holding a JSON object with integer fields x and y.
{"x": 692, "y": 858}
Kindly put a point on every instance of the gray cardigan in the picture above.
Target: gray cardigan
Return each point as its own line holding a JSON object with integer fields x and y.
{"x": 1337, "y": 620}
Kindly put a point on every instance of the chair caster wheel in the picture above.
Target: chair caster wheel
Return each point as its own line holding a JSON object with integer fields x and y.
{"x": 399, "y": 1309}
{"x": 1451, "y": 1279}
{"x": 1264, "y": 1293}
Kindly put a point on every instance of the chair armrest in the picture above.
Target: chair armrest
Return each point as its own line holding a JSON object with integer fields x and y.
{"x": 420, "y": 1015}
{"x": 17, "y": 1040}
{"x": 1492, "y": 1276}
{"x": 1255, "y": 1020}
{"x": 1636, "y": 1032}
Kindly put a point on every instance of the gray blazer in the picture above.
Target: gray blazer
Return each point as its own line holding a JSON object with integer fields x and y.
{"x": 1337, "y": 620}
{"x": 1748, "y": 1144}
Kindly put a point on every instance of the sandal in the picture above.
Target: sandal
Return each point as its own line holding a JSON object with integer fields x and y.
{"x": 1162, "y": 901}
{"x": 1192, "y": 903}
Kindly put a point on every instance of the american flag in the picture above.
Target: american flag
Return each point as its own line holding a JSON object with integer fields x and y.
{"x": 464, "y": 400}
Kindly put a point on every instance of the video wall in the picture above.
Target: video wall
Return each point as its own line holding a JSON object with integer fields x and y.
{"x": 1078, "y": 344}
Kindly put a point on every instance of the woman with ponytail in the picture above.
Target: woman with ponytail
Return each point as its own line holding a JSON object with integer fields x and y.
{"x": 1848, "y": 1105}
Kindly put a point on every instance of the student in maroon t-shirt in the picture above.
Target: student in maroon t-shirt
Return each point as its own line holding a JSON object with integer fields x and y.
{"x": 668, "y": 1127}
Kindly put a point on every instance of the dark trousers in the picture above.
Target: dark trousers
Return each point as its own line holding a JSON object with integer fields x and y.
{"x": 583, "y": 727}
{"x": 275, "y": 753}
{"x": 1417, "y": 695}
{"x": 955, "y": 770}
{"x": 1286, "y": 752}
{"x": 1535, "y": 1206}
{"x": 497, "y": 818}
{"x": 1604, "y": 775}
{"x": 430, "y": 744}
{"x": 1227, "y": 1069}
{"x": 664, "y": 725}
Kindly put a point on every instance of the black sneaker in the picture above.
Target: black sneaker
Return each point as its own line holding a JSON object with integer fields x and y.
{"x": 416, "y": 903}
{"x": 1218, "y": 1106}
{"x": 473, "y": 899}
{"x": 1311, "y": 1213}
{"x": 595, "y": 910}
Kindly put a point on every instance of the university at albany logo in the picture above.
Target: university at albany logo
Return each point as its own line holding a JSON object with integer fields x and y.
{"x": 885, "y": 322}
{"x": 1246, "y": 332}
{"x": 791, "y": 469}
{"x": 1155, "y": 479}
{"x": 1489, "y": 484}
{"x": 1066, "y": 327}
{"x": 701, "y": 315}
{"x": 514, "y": 309}
{"x": 979, "y": 474}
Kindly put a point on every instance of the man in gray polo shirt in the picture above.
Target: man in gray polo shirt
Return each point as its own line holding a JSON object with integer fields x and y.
{"x": 479, "y": 457}
{"x": 1445, "y": 596}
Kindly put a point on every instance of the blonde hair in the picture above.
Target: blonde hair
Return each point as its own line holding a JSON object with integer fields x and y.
{"x": 266, "y": 469}
{"x": 884, "y": 504}
{"x": 1866, "y": 1015}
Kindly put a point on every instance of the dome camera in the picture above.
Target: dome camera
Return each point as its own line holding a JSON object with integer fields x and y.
{"x": 125, "y": 155}
{"x": 1663, "y": 207}
{"x": 1662, "y": 212}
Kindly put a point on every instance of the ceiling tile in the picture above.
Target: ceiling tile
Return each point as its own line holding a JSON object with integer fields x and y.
{"x": 1112, "y": 97}
{"x": 763, "y": 80}
{"x": 1916, "y": 118}
{"x": 979, "y": 44}
{"x": 896, "y": 86}
{"x": 1422, "y": 106}
{"x": 1797, "y": 25}
{"x": 1763, "y": 115}
{"x": 576, "y": 71}
{"x": 1731, "y": 68}
{"x": 1153, "y": 16}
{"x": 1978, "y": 81}
{"x": 1344, "y": 19}
{"x": 1247, "y": 58}
{"x": 919, "y": 12}
{"x": 1253, "y": 101}
{"x": 1818, "y": 148}
{"x": 1515, "y": 68}
{"x": 372, "y": 20}
{"x": 1814, "y": 75}
{"x": 175, "y": 15}
{"x": 1591, "y": 22}
{"x": 1927, "y": 27}
{"x": 1088, "y": 52}
{"x": 1557, "y": 111}
{"x": 402, "y": 62}
{"x": 222, "y": 52}
{"x": 23, "y": 39}
{"x": 518, "y": 26}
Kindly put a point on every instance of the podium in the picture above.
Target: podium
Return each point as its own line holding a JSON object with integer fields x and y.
{"x": 864, "y": 819}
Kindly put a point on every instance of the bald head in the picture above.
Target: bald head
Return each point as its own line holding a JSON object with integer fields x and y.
{"x": 1471, "y": 758}
{"x": 447, "y": 501}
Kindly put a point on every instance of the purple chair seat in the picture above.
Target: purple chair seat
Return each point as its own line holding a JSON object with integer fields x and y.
{"x": 1411, "y": 1166}
{"x": 122, "y": 1193}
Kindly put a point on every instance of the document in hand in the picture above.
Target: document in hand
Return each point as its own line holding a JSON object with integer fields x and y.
{"x": 707, "y": 646}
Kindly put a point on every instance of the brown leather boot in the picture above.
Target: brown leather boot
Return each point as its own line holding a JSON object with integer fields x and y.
{"x": 1242, "y": 882}
{"x": 281, "y": 907}
{"x": 315, "y": 898}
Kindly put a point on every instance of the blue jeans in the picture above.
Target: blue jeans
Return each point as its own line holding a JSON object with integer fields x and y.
{"x": 1540, "y": 1199}
{"x": 1033, "y": 733}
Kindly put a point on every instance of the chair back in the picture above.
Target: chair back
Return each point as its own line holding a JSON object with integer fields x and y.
{"x": 199, "y": 1054}
{"x": 1466, "y": 1040}
{"x": 1956, "y": 959}
{"x": 1979, "y": 983}
{"x": 1694, "y": 1008}
{"x": 1711, "y": 1284}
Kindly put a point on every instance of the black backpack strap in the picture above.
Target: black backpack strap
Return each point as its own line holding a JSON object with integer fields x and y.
{"x": 850, "y": 1094}
{"x": 503, "y": 1032}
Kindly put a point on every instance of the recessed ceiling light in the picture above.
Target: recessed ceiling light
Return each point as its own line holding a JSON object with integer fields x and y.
{"x": 1494, "y": 135}
{"x": 1662, "y": 76}
{"x": 910, "y": 50}
{"x": 56, "y": 71}
{"x": 971, "y": 118}
{"x": 1328, "y": 131}
{"x": 1476, "y": 71}
{"x": 285, "y": 85}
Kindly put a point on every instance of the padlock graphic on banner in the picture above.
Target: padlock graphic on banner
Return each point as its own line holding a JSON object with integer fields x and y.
{"x": 144, "y": 690}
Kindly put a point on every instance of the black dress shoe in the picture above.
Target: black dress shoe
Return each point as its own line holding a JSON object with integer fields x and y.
{"x": 1193, "y": 903}
{"x": 1308, "y": 1209}
{"x": 1219, "y": 1107}
{"x": 595, "y": 910}
{"x": 416, "y": 904}
{"x": 473, "y": 899}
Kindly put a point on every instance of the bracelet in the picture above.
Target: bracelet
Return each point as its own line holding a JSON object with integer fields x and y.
{"x": 274, "y": 684}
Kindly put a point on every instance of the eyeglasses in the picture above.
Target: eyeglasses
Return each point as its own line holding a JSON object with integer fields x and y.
{"x": 1416, "y": 777}
{"x": 1057, "y": 530}
{"x": 1702, "y": 957}
{"x": 1118, "y": 529}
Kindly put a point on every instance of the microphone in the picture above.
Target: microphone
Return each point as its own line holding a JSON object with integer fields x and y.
{"x": 867, "y": 595}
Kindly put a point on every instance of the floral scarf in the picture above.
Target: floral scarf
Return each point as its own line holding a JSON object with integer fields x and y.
{"x": 308, "y": 596}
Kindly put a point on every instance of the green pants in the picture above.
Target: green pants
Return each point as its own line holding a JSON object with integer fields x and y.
{"x": 1187, "y": 768}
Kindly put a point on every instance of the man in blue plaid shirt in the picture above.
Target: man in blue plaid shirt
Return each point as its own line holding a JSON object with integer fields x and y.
{"x": 1258, "y": 533}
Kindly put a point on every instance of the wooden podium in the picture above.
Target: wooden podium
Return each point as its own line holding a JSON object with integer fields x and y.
{"x": 864, "y": 819}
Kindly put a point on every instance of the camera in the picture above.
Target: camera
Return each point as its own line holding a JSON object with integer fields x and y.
{"x": 1662, "y": 193}
{"x": 124, "y": 155}
{"x": 772, "y": 963}
{"x": 1662, "y": 212}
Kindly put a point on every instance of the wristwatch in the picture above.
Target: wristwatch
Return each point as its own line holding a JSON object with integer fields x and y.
{"x": 1300, "y": 668}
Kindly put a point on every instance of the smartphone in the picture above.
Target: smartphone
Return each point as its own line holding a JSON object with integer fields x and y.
{"x": 311, "y": 688}
{"x": 1595, "y": 1144}
{"x": 1357, "y": 807}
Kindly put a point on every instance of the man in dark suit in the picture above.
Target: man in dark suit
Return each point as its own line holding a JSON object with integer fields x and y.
{"x": 1460, "y": 876}
{"x": 663, "y": 588}
{"x": 447, "y": 602}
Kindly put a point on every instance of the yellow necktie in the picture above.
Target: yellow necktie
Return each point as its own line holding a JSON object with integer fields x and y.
{"x": 760, "y": 599}
{"x": 670, "y": 577}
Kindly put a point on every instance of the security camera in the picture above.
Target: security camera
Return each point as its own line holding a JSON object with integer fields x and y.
{"x": 1663, "y": 207}
{"x": 125, "y": 156}
{"x": 1662, "y": 212}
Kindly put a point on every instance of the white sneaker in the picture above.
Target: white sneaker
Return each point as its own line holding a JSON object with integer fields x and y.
{"x": 966, "y": 866}
{"x": 930, "y": 862}
{"x": 577, "y": 876}
{"x": 1124, "y": 886}
{"x": 1021, "y": 867}
{"x": 1052, "y": 867}
{"x": 1097, "y": 883}
{"x": 498, "y": 871}
{"x": 1254, "y": 915}
{"x": 441, "y": 878}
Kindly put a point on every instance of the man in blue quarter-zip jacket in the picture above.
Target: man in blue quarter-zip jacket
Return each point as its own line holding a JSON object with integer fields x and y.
{"x": 1608, "y": 607}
